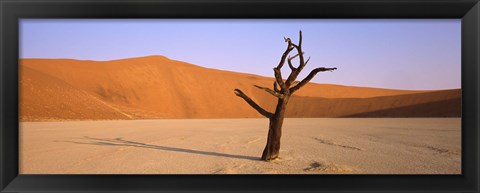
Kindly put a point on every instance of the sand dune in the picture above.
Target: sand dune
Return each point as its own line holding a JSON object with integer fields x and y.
{"x": 157, "y": 87}
{"x": 42, "y": 100}
{"x": 444, "y": 103}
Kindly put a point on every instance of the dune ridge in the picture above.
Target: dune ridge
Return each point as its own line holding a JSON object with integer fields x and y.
{"x": 155, "y": 87}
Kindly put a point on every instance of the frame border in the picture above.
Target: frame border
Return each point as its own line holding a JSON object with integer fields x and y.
{"x": 11, "y": 11}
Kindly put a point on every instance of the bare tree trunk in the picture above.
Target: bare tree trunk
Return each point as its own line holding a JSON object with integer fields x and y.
{"x": 282, "y": 89}
{"x": 272, "y": 149}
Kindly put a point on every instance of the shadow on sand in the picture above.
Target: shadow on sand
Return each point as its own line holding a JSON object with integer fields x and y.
{"x": 123, "y": 142}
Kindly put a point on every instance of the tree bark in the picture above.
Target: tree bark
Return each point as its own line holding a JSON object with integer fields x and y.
{"x": 272, "y": 149}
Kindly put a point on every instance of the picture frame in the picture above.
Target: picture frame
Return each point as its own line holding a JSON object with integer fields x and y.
{"x": 11, "y": 11}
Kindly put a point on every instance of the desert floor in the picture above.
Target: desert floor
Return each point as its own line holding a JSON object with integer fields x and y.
{"x": 231, "y": 146}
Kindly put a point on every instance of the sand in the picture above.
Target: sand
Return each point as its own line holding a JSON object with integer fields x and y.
{"x": 156, "y": 87}
{"x": 233, "y": 146}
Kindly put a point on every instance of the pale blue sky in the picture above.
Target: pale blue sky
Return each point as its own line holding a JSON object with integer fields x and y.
{"x": 399, "y": 54}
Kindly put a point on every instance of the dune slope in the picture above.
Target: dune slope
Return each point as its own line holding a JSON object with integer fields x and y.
{"x": 42, "y": 100}
{"x": 156, "y": 87}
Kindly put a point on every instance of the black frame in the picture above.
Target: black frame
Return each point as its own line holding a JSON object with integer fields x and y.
{"x": 11, "y": 11}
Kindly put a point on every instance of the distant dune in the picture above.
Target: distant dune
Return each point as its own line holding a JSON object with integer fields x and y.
{"x": 44, "y": 97}
{"x": 445, "y": 103}
{"x": 156, "y": 87}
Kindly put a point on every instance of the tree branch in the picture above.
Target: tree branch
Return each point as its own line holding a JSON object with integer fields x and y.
{"x": 300, "y": 39}
{"x": 296, "y": 55}
{"x": 300, "y": 52}
{"x": 275, "y": 84}
{"x": 289, "y": 60}
{"x": 299, "y": 48}
{"x": 291, "y": 65}
{"x": 306, "y": 62}
{"x": 276, "y": 70}
{"x": 300, "y": 67}
{"x": 285, "y": 54}
{"x": 253, "y": 104}
{"x": 295, "y": 82}
{"x": 302, "y": 60}
{"x": 276, "y": 94}
{"x": 279, "y": 79}
{"x": 309, "y": 77}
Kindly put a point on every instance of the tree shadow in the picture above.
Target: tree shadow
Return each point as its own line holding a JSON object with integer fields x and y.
{"x": 127, "y": 143}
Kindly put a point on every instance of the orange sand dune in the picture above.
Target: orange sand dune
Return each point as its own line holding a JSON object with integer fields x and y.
{"x": 445, "y": 103}
{"x": 157, "y": 87}
{"x": 43, "y": 97}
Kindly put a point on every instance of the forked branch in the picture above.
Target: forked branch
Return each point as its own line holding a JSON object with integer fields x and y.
{"x": 296, "y": 71}
{"x": 296, "y": 55}
{"x": 289, "y": 60}
{"x": 272, "y": 92}
{"x": 276, "y": 70}
{"x": 252, "y": 103}
{"x": 309, "y": 77}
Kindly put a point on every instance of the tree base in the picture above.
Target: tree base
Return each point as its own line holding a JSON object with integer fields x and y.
{"x": 271, "y": 157}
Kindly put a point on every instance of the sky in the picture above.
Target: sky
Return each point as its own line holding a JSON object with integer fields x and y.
{"x": 411, "y": 54}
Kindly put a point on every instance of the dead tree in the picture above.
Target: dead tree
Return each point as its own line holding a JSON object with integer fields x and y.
{"x": 283, "y": 90}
